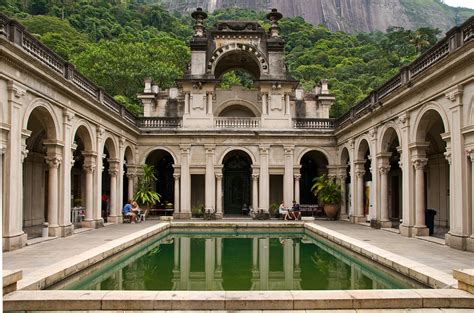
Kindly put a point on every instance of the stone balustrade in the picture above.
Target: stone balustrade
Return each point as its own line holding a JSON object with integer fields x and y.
{"x": 237, "y": 122}
{"x": 313, "y": 123}
{"x": 160, "y": 122}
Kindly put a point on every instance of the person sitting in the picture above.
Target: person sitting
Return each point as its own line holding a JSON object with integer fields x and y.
{"x": 284, "y": 214}
{"x": 295, "y": 211}
{"x": 138, "y": 213}
{"x": 128, "y": 212}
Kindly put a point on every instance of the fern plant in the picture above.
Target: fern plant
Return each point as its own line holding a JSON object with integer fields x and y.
{"x": 326, "y": 189}
{"x": 144, "y": 194}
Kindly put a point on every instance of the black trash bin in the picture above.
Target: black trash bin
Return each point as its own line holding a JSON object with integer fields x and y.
{"x": 429, "y": 220}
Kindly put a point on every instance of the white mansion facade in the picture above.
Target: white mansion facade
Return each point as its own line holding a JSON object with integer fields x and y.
{"x": 407, "y": 147}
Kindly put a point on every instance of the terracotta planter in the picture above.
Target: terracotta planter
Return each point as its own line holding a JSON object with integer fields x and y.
{"x": 331, "y": 210}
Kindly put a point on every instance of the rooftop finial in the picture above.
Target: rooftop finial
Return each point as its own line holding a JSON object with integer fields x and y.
{"x": 274, "y": 16}
{"x": 199, "y": 15}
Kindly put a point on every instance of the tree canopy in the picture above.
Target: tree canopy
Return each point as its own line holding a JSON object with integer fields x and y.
{"x": 117, "y": 44}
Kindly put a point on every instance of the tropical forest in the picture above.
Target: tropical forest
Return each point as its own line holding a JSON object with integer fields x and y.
{"x": 117, "y": 44}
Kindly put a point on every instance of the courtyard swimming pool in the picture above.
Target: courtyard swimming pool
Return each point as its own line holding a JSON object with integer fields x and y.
{"x": 231, "y": 260}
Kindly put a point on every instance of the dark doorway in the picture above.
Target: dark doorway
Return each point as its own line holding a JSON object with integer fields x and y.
{"x": 163, "y": 163}
{"x": 237, "y": 170}
{"x": 313, "y": 164}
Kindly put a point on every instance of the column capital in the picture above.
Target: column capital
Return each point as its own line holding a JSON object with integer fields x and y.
{"x": 219, "y": 176}
{"x": 113, "y": 172}
{"x": 131, "y": 175}
{"x": 17, "y": 89}
{"x": 24, "y": 153}
{"x": 455, "y": 94}
{"x": 342, "y": 177}
{"x": 448, "y": 156}
{"x": 185, "y": 148}
{"x": 122, "y": 141}
{"x": 419, "y": 163}
{"x": 403, "y": 119}
{"x": 360, "y": 173}
{"x": 289, "y": 149}
{"x": 384, "y": 169}
{"x": 68, "y": 116}
{"x": 470, "y": 152}
{"x": 255, "y": 176}
{"x": 373, "y": 133}
{"x": 176, "y": 176}
{"x": 100, "y": 132}
{"x": 89, "y": 168}
{"x": 53, "y": 161}
{"x": 297, "y": 176}
{"x": 210, "y": 148}
{"x": 264, "y": 149}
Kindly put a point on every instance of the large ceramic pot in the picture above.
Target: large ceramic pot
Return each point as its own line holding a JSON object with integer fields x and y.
{"x": 331, "y": 210}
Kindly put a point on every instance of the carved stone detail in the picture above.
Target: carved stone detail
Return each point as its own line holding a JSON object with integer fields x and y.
{"x": 420, "y": 163}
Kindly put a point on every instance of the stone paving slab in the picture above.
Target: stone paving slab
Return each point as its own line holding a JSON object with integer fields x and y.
{"x": 442, "y": 258}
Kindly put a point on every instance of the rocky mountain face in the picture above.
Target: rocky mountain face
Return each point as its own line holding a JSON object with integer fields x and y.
{"x": 345, "y": 15}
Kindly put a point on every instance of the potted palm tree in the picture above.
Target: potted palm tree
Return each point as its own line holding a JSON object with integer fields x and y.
{"x": 144, "y": 195}
{"x": 329, "y": 193}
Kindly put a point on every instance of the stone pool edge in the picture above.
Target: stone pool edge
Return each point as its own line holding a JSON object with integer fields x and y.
{"x": 236, "y": 300}
{"x": 417, "y": 271}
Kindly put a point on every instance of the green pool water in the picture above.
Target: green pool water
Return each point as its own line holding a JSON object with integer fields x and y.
{"x": 196, "y": 261}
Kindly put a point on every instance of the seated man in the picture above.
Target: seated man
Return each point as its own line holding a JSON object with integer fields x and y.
{"x": 295, "y": 211}
{"x": 127, "y": 211}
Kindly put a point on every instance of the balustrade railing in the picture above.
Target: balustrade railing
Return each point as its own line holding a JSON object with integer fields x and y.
{"x": 237, "y": 122}
{"x": 159, "y": 122}
{"x": 455, "y": 38}
{"x": 313, "y": 123}
{"x": 36, "y": 49}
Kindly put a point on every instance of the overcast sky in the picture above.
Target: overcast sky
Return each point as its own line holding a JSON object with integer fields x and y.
{"x": 460, "y": 3}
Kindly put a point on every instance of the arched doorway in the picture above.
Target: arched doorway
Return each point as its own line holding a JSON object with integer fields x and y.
{"x": 390, "y": 166}
{"x": 37, "y": 169}
{"x": 237, "y": 170}
{"x": 364, "y": 202}
{"x": 432, "y": 148}
{"x": 82, "y": 170}
{"x": 313, "y": 163}
{"x": 163, "y": 162}
{"x": 345, "y": 172}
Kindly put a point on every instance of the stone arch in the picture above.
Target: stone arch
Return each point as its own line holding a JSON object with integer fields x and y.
{"x": 362, "y": 147}
{"x": 387, "y": 134}
{"x": 422, "y": 123}
{"x": 163, "y": 163}
{"x": 322, "y": 150}
{"x": 47, "y": 112}
{"x": 243, "y": 149}
{"x": 469, "y": 120}
{"x": 234, "y": 56}
{"x": 238, "y": 103}
{"x": 150, "y": 150}
{"x": 344, "y": 157}
{"x": 110, "y": 143}
{"x": 313, "y": 163}
{"x": 128, "y": 154}
{"x": 84, "y": 130}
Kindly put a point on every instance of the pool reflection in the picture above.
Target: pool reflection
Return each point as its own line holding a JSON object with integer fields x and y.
{"x": 180, "y": 262}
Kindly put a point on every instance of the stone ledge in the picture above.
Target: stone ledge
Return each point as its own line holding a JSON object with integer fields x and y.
{"x": 56, "y": 272}
{"x": 10, "y": 279}
{"x": 417, "y": 271}
{"x": 465, "y": 279}
{"x": 236, "y": 300}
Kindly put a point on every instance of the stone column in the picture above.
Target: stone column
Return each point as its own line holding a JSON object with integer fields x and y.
{"x": 209, "y": 103}
{"x": 342, "y": 182}
{"x": 13, "y": 235}
{"x": 219, "y": 213}
{"x": 288, "y": 178}
{"x": 53, "y": 161}
{"x": 120, "y": 177}
{"x": 114, "y": 171}
{"x": 65, "y": 222}
{"x": 287, "y": 104}
{"x": 98, "y": 177}
{"x": 297, "y": 178}
{"x": 210, "y": 187}
{"x": 384, "y": 168}
{"x": 89, "y": 166}
{"x": 407, "y": 176}
{"x": 176, "y": 193}
{"x": 359, "y": 197}
{"x": 459, "y": 228}
{"x": 288, "y": 263}
{"x": 420, "y": 227}
{"x": 264, "y": 178}
{"x": 264, "y": 103}
{"x": 185, "y": 182}
{"x": 471, "y": 156}
{"x": 131, "y": 175}
{"x": 186, "y": 103}
{"x": 255, "y": 191}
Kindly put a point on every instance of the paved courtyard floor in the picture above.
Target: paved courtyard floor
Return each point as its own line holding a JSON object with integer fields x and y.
{"x": 34, "y": 258}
